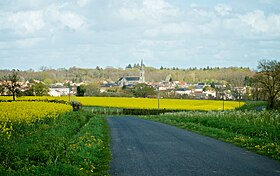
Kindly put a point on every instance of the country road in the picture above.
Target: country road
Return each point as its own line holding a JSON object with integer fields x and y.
{"x": 141, "y": 147}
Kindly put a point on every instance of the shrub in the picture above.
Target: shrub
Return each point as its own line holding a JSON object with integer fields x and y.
{"x": 76, "y": 105}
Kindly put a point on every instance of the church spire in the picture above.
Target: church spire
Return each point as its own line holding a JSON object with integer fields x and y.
{"x": 142, "y": 72}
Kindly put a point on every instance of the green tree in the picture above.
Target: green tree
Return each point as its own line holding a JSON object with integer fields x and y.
{"x": 2, "y": 89}
{"x": 206, "y": 88}
{"x": 81, "y": 91}
{"x": 11, "y": 82}
{"x": 48, "y": 81}
{"x": 267, "y": 79}
{"x": 143, "y": 90}
{"x": 129, "y": 66}
{"x": 248, "y": 81}
{"x": 92, "y": 89}
{"x": 40, "y": 89}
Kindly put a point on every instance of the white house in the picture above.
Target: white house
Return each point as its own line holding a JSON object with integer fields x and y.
{"x": 183, "y": 91}
{"x": 57, "y": 92}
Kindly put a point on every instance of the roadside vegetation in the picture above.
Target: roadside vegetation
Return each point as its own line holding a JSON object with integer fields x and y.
{"x": 253, "y": 105}
{"x": 70, "y": 143}
{"x": 257, "y": 131}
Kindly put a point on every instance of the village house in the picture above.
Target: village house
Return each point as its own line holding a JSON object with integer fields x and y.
{"x": 57, "y": 92}
{"x": 106, "y": 86}
{"x": 183, "y": 91}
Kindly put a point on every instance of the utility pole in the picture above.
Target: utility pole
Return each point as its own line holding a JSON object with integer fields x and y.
{"x": 69, "y": 94}
{"x": 239, "y": 97}
{"x": 158, "y": 98}
{"x": 223, "y": 98}
{"x": 223, "y": 101}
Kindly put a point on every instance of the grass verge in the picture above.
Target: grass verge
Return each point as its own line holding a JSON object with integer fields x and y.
{"x": 257, "y": 131}
{"x": 76, "y": 143}
{"x": 253, "y": 105}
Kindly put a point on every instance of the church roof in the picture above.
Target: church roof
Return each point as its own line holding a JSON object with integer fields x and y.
{"x": 130, "y": 78}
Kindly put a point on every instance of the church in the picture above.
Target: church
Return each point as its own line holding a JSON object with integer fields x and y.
{"x": 133, "y": 80}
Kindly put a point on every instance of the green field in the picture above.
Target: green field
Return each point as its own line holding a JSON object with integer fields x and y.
{"x": 148, "y": 103}
{"x": 75, "y": 143}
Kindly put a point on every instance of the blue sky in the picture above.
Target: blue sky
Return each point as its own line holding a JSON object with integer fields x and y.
{"x": 168, "y": 33}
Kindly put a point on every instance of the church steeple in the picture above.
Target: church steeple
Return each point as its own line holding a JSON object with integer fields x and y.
{"x": 142, "y": 72}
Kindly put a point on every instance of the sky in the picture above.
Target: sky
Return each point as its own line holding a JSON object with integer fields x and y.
{"x": 168, "y": 33}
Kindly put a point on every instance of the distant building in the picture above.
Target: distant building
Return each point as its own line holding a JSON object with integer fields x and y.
{"x": 142, "y": 73}
{"x": 183, "y": 91}
{"x": 133, "y": 80}
{"x": 57, "y": 92}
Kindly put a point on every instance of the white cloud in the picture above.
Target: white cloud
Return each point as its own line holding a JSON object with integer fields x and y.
{"x": 158, "y": 8}
{"x": 223, "y": 9}
{"x": 27, "y": 22}
{"x": 28, "y": 42}
{"x": 258, "y": 22}
{"x": 169, "y": 29}
{"x": 265, "y": 1}
{"x": 59, "y": 17}
{"x": 83, "y": 3}
{"x": 147, "y": 10}
{"x": 72, "y": 20}
{"x": 143, "y": 53}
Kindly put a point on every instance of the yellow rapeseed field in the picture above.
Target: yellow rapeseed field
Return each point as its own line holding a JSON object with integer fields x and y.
{"x": 40, "y": 98}
{"x": 27, "y": 112}
{"x": 30, "y": 111}
{"x": 147, "y": 103}
{"x": 144, "y": 103}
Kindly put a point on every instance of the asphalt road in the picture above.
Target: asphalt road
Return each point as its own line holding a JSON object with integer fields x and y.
{"x": 142, "y": 147}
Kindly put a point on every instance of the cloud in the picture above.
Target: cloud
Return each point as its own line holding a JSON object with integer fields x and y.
{"x": 72, "y": 20}
{"x": 147, "y": 10}
{"x": 169, "y": 29}
{"x": 258, "y": 22}
{"x": 26, "y": 22}
{"x": 59, "y": 17}
{"x": 49, "y": 18}
{"x": 223, "y": 9}
{"x": 265, "y": 1}
{"x": 83, "y": 3}
{"x": 28, "y": 42}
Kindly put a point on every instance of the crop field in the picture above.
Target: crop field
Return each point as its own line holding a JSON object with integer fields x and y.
{"x": 147, "y": 103}
{"x": 16, "y": 113}
{"x": 258, "y": 131}
{"x": 40, "y": 138}
{"x": 30, "y": 111}
{"x": 144, "y": 103}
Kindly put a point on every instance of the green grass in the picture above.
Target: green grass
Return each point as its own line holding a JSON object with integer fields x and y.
{"x": 257, "y": 131}
{"x": 253, "y": 105}
{"x": 76, "y": 143}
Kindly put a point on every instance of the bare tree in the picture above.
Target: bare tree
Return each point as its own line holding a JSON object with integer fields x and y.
{"x": 11, "y": 82}
{"x": 267, "y": 79}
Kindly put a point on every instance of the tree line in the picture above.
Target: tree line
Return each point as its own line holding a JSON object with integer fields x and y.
{"x": 232, "y": 75}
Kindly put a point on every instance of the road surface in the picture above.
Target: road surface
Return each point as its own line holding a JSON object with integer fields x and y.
{"x": 141, "y": 147}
